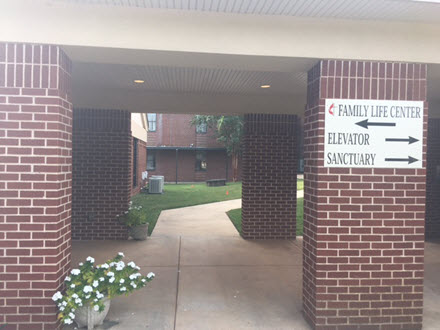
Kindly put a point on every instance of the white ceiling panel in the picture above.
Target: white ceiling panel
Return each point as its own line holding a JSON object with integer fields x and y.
{"x": 395, "y": 10}
{"x": 190, "y": 79}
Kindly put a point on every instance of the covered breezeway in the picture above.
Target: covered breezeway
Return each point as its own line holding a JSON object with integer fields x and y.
{"x": 362, "y": 262}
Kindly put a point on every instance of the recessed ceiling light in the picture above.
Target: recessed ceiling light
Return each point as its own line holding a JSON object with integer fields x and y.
{"x": 265, "y": 86}
{"x": 139, "y": 81}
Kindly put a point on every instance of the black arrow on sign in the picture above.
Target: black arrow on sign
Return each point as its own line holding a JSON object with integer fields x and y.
{"x": 365, "y": 124}
{"x": 410, "y": 140}
{"x": 410, "y": 160}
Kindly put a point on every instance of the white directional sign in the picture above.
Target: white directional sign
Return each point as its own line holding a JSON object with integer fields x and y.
{"x": 373, "y": 133}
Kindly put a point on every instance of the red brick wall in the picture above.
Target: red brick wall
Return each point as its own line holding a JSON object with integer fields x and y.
{"x": 141, "y": 165}
{"x": 175, "y": 130}
{"x": 433, "y": 180}
{"x": 363, "y": 228}
{"x": 269, "y": 169}
{"x": 102, "y": 179}
{"x": 35, "y": 182}
{"x": 166, "y": 166}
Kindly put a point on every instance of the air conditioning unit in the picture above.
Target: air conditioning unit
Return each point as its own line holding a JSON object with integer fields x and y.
{"x": 161, "y": 177}
{"x": 155, "y": 186}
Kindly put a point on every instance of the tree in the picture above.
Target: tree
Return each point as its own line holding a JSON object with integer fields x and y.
{"x": 228, "y": 131}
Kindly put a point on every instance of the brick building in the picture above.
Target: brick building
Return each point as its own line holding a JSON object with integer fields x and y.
{"x": 272, "y": 61}
{"x": 185, "y": 153}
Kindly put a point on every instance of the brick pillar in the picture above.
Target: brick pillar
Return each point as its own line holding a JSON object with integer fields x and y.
{"x": 269, "y": 172}
{"x": 102, "y": 178}
{"x": 35, "y": 182}
{"x": 363, "y": 227}
{"x": 433, "y": 180}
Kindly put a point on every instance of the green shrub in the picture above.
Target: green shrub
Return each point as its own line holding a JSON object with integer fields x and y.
{"x": 134, "y": 216}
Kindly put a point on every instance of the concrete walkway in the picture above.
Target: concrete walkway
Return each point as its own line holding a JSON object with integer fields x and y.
{"x": 213, "y": 279}
{"x": 205, "y": 220}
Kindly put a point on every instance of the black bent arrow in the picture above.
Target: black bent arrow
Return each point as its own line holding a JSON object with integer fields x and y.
{"x": 410, "y": 140}
{"x": 365, "y": 124}
{"x": 410, "y": 160}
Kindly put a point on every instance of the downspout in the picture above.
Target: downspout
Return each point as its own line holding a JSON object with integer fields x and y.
{"x": 177, "y": 163}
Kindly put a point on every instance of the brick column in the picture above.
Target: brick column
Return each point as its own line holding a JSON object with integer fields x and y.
{"x": 269, "y": 172}
{"x": 35, "y": 182}
{"x": 363, "y": 228}
{"x": 102, "y": 177}
{"x": 433, "y": 180}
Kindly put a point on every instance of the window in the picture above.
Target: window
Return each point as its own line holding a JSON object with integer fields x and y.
{"x": 135, "y": 157}
{"x": 151, "y": 160}
{"x": 201, "y": 128}
{"x": 201, "y": 164}
{"x": 151, "y": 118}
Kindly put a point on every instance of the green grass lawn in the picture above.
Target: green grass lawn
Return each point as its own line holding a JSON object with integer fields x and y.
{"x": 235, "y": 216}
{"x": 182, "y": 195}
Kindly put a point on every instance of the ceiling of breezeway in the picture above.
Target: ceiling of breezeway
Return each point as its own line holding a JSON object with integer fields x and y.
{"x": 199, "y": 83}
{"x": 396, "y": 10}
{"x": 189, "y": 83}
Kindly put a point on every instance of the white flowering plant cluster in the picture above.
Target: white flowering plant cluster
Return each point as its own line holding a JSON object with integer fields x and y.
{"x": 88, "y": 285}
{"x": 134, "y": 216}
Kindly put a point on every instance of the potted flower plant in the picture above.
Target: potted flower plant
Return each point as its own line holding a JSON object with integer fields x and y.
{"x": 89, "y": 290}
{"x": 136, "y": 221}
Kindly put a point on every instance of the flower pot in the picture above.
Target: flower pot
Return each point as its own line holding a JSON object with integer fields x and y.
{"x": 139, "y": 232}
{"x": 87, "y": 317}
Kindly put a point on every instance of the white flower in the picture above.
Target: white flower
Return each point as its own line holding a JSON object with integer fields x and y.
{"x": 62, "y": 308}
{"x": 101, "y": 279}
{"x": 143, "y": 280}
{"x": 110, "y": 274}
{"x": 111, "y": 280}
{"x": 75, "y": 271}
{"x": 67, "y": 279}
{"x": 134, "y": 276}
{"x": 92, "y": 260}
{"x": 105, "y": 266}
{"x": 72, "y": 285}
{"x": 150, "y": 275}
{"x": 121, "y": 254}
{"x": 72, "y": 316}
{"x": 88, "y": 296}
{"x": 95, "y": 283}
{"x": 95, "y": 300}
{"x": 125, "y": 212}
{"x": 120, "y": 265}
{"x": 57, "y": 296}
{"x": 121, "y": 280}
{"x": 88, "y": 289}
{"x": 64, "y": 303}
{"x": 78, "y": 301}
{"x": 99, "y": 295}
{"x": 131, "y": 264}
{"x": 80, "y": 264}
{"x": 133, "y": 285}
{"x": 68, "y": 321}
{"x": 112, "y": 264}
{"x": 123, "y": 288}
{"x": 74, "y": 296}
{"x": 96, "y": 308}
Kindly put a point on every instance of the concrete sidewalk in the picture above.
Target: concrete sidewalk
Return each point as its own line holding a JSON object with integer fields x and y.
{"x": 205, "y": 220}
{"x": 208, "y": 279}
